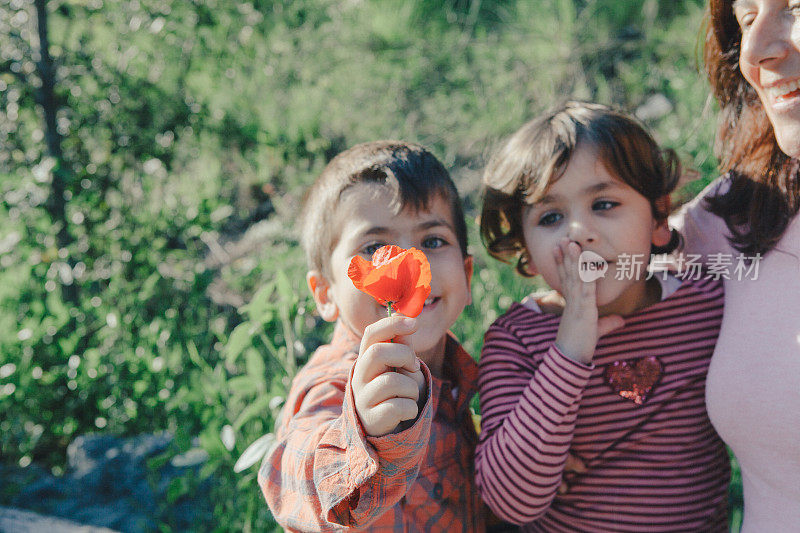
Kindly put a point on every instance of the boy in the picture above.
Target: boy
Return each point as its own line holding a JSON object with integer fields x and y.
{"x": 376, "y": 432}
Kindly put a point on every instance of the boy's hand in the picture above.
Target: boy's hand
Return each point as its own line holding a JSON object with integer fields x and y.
{"x": 580, "y": 326}
{"x": 388, "y": 381}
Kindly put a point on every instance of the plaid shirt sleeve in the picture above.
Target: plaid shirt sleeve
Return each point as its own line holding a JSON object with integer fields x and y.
{"x": 324, "y": 473}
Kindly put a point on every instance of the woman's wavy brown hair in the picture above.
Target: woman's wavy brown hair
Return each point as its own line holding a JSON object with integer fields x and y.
{"x": 521, "y": 171}
{"x": 764, "y": 194}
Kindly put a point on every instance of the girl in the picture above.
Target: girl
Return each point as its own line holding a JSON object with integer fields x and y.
{"x": 605, "y": 375}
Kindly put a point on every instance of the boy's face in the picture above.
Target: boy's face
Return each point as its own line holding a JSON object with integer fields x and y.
{"x": 366, "y": 222}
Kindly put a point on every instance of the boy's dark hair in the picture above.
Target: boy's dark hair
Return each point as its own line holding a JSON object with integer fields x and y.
{"x": 412, "y": 174}
{"x": 535, "y": 157}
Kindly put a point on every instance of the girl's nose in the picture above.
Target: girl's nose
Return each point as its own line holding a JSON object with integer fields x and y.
{"x": 765, "y": 40}
{"x": 581, "y": 232}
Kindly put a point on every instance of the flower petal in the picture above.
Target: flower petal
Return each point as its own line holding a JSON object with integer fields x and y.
{"x": 397, "y": 276}
{"x": 358, "y": 270}
{"x": 384, "y": 254}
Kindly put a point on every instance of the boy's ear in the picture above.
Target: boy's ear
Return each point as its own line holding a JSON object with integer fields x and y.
{"x": 468, "y": 269}
{"x": 320, "y": 290}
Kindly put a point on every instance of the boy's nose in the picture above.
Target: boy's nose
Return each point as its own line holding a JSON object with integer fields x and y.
{"x": 764, "y": 41}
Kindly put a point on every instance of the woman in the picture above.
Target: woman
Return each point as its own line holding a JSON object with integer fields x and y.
{"x": 752, "y": 54}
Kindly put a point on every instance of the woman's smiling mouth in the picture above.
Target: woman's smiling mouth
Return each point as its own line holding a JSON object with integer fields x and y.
{"x": 784, "y": 93}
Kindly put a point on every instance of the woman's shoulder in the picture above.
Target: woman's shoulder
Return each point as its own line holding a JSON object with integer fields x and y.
{"x": 702, "y": 231}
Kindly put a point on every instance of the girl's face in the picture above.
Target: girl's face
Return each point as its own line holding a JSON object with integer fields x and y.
{"x": 770, "y": 62}
{"x": 604, "y": 215}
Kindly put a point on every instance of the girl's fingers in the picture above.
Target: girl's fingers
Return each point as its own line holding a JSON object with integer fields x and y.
{"x": 567, "y": 254}
{"x": 558, "y": 256}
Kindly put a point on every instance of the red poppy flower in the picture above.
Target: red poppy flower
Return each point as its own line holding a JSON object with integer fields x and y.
{"x": 397, "y": 278}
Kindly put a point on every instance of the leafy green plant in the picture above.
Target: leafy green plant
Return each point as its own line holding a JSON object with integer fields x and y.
{"x": 240, "y": 396}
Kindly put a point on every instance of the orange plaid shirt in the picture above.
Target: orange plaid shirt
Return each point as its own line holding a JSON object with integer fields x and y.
{"x": 325, "y": 474}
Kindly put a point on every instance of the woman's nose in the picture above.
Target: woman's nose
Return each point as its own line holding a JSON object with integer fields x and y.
{"x": 765, "y": 40}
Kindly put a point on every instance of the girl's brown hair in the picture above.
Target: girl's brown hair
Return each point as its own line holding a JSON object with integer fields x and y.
{"x": 534, "y": 157}
{"x": 764, "y": 193}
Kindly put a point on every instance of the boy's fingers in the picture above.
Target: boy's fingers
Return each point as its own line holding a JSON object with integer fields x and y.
{"x": 387, "y": 386}
{"x": 396, "y": 409}
{"x": 382, "y": 356}
{"x": 419, "y": 379}
{"x": 418, "y": 376}
{"x": 386, "y": 329}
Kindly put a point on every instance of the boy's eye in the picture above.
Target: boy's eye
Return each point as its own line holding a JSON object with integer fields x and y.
{"x": 604, "y": 205}
{"x": 433, "y": 242}
{"x": 548, "y": 219}
{"x": 371, "y": 248}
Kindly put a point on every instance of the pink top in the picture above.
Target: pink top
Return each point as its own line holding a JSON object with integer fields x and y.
{"x": 654, "y": 461}
{"x": 753, "y": 389}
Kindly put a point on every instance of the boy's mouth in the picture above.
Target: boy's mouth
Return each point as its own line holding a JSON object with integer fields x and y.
{"x": 431, "y": 301}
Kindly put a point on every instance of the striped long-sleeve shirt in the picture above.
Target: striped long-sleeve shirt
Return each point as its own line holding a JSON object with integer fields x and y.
{"x": 635, "y": 416}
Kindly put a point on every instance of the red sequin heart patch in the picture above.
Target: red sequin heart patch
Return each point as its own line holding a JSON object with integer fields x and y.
{"x": 634, "y": 380}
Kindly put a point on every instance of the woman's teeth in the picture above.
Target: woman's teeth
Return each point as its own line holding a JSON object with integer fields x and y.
{"x": 784, "y": 90}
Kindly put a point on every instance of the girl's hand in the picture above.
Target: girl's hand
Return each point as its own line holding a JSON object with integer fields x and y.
{"x": 388, "y": 381}
{"x": 580, "y": 325}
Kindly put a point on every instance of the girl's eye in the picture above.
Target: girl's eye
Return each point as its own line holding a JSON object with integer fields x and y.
{"x": 433, "y": 242}
{"x": 548, "y": 219}
{"x": 604, "y": 205}
{"x": 371, "y": 248}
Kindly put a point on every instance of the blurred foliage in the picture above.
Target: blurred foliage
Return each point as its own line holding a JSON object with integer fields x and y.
{"x": 188, "y": 132}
